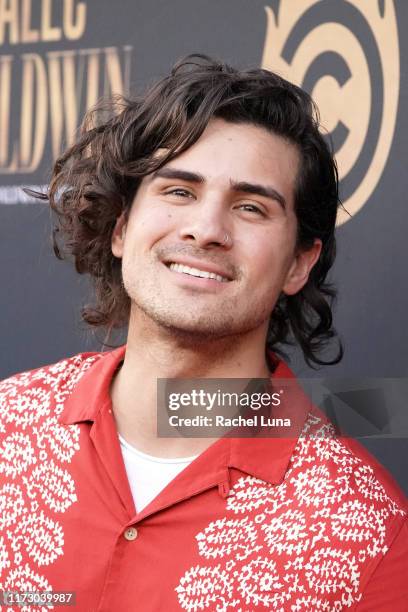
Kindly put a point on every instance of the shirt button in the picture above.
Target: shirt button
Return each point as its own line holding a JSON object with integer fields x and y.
{"x": 130, "y": 533}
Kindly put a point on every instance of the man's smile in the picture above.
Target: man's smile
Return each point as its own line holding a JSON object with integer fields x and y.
{"x": 198, "y": 267}
{"x": 176, "y": 267}
{"x": 194, "y": 277}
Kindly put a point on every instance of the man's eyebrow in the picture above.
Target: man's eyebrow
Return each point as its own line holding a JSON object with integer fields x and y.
{"x": 174, "y": 173}
{"x": 239, "y": 186}
{"x": 262, "y": 190}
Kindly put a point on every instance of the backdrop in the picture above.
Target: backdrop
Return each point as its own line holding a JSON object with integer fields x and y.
{"x": 57, "y": 57}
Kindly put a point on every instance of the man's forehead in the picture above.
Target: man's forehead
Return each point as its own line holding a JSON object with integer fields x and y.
{"x": 256, "y": 158}
{"x": 218, "y": 130}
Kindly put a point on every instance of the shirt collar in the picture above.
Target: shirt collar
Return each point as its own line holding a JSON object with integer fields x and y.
{"x": 266, "y": 458}
{"x": 92, "y": 391}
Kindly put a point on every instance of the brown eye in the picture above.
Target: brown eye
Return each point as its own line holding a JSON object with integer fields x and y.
{"x": 181, "y": 193}
{"x": 252, "y": 208}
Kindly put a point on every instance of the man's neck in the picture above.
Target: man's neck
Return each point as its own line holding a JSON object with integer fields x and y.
{"x": 167, "y": 355}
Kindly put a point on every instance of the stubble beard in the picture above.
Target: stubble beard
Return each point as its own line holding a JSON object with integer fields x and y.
{"x": 226, "y": 320}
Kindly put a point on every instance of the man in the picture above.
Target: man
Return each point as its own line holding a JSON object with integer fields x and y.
{"x": 204, "y": 211}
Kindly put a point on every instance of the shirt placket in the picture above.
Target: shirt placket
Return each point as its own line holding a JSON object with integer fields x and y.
{"x": 130, "y": 535}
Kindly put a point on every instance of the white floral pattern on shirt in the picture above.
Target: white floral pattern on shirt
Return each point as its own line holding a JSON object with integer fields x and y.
{"x": 297, "y": 546}
{"x": 35, "y": 453}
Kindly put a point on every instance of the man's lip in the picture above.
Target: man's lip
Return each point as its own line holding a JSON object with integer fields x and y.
{"x": 200, "y": 265}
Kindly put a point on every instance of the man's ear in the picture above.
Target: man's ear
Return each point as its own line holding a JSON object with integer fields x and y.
{"x": 301, "y": 267}
{"x": 118, "y": 235}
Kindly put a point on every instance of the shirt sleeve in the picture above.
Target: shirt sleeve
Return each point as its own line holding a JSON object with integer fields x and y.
{"x": 387, "y": 589}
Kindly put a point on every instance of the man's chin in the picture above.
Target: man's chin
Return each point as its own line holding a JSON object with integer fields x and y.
{"x": 194, "y": 331}
{"x": 196, "y": 328}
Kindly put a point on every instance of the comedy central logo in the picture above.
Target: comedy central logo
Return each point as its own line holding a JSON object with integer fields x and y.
{"x": 345, "y": 53}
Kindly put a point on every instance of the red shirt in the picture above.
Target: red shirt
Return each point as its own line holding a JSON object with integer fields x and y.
{"x": 251, "y": 524}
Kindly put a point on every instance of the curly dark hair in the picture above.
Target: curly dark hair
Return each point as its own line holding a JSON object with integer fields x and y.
{"x": 96, "y": 179}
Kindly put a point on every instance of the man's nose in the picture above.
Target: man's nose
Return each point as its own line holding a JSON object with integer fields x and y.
{"x": 207, "y": 226}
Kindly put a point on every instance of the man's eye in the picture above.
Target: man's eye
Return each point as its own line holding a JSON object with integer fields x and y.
{"x": 182, "y": 193}
{"x": 252, "y": 208}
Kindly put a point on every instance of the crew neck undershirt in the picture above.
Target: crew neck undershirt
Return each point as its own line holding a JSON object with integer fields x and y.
{"x": 149, "y": 475}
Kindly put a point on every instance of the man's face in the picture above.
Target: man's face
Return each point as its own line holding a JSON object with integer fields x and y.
{"x": 237, "y": 179}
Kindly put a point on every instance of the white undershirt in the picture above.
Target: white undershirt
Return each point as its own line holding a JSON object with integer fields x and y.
{"x": 149, "y": 475}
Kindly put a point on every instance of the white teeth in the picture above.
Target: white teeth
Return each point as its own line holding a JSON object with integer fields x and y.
{"x": 195, "y": 272}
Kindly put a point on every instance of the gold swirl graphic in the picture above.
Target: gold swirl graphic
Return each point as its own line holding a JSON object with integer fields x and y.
{"x": 346, "y": 54}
